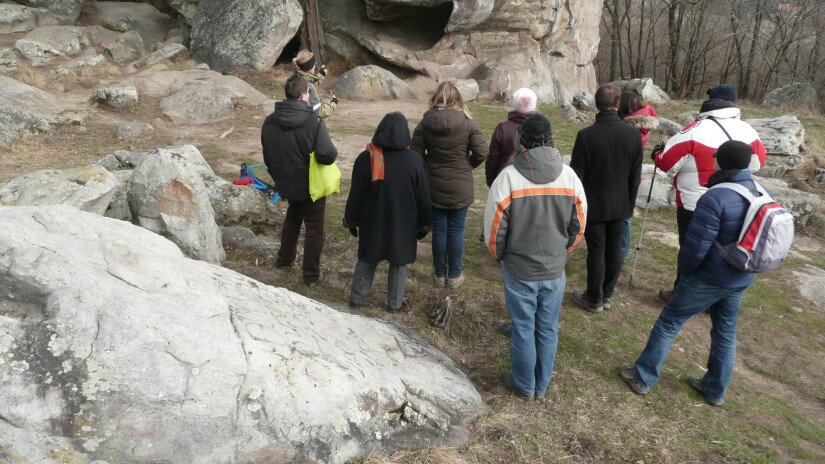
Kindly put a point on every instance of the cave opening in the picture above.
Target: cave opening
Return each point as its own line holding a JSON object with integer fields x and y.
{"x": 290, "y": 49}
{"x": 416, "y": 28}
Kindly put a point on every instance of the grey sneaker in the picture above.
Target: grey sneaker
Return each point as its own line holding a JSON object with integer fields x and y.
{"x": 455, "y": 282}
{"x": 440, "y": 282}
{"x": 582, "y": 300}
{"x": 628, "y": 373}
{"x": 696, "y": 383}
{"x": 507, "y": 380}
{"x": 606, "y": 301}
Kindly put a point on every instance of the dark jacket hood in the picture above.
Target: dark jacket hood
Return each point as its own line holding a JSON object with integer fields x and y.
{"x": 441, "y": 120}
{"x": 393, "y": 133}
{"x": 715, "y": 104}
{"x": 540, "y": 165}
{"x": 518, "y": 117}
{"x": 290, "y": 114}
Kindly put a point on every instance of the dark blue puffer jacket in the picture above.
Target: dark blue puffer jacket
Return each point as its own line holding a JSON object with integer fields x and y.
{"x": 719, "y": 215}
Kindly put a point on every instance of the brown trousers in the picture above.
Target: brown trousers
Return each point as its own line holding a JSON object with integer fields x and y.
{"x": 311, "y": 215}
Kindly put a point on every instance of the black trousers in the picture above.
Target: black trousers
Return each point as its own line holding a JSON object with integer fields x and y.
{"x": 683, "y": 218}
{"x": 604, "y": 258}
{"x": 311, "y": 215}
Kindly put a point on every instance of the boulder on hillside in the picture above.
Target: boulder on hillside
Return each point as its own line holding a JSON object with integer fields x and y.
{"x": 795, "y": 95}
{"x": 116, "y": 347}
{"x": 23, "y": 107}
{"x": 666, "y": 129}
{"x": 41, "y": 45}
{"x": 802, "y": 205}
{"x": 82, "y": 64}
{"x": 132, "y": 129}
{"x": 650, "y": 92}
{"x": 65, "y": 10}
{"x": 20, "y": 18}
{"x": 89, "y": 188}
{"x": 373, "y": 83}
{"x": 8, "y": 61}
{"x": 142, "y": 18}
{"x": 663, "y": 194}
{"x": 127, "y": 46}
{"x": 167, "y": 196}
{"x": 118, "y": 96}
{"x": 585, "y": 101}
{"x": 784, "y": 140}
{"x": 686, "y": 118}
{"x": 165, "y": 51}
{"x": 199, "y": 102}
{"x": 243, "y": 33}
{"x": 468, "y": 87}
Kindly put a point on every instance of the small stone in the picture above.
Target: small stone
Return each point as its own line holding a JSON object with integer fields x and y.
{"x": 253, "y": 407}
{"x": 118, "y": 97}
{"x": 132, "y": 129}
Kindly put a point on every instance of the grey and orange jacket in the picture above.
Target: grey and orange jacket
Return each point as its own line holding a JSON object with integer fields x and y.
{"x": 536, "y": 214}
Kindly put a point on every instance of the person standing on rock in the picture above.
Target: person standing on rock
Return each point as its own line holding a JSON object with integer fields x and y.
{"x": 307, "y": 67}
{"x": 452, "y": 146}
{"x": 644, "y": 118}
{"x": 503, "y": 140}
{"x": 688, "y": 156}
{"x": 288, "y": 136}
{"x": 706, "y": 280}
{"x": 535, "y": 216}
{"x": 388, "y": 209}
{"x": 607, "y": 157}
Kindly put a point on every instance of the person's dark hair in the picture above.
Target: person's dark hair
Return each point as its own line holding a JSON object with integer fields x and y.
{"x": 295, "y": 87}
{"x": 629, "y": 103}
{"x": 606, "y": 96}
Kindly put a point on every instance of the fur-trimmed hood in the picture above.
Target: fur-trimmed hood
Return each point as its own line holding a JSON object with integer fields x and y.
{"x": 643, "y": 118}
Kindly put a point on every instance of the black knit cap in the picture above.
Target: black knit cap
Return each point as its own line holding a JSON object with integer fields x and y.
{"x": 536, "y": 131}
{"x": 734, "y": 154}
{"x": 725, "y": 92}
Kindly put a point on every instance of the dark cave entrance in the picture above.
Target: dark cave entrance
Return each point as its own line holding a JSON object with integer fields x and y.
{"x": 414, "y": 27}
{"x": 290, "y": 49}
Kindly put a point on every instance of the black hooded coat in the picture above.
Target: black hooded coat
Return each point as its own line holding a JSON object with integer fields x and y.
{"x": 389, "y": 213}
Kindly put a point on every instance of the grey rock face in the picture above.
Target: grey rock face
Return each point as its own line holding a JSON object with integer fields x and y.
{"x": 23, "y": 107}
{"x": 81, "y": 64}
{"x": 663, "y": 195}
{"x": 686, "y": 118}
{"x": 89, "y": 188}
{"x": 8, "y": 62}
{"x": 795, "y": 94}
{"x": 116, "y": 347}
{"x": 146, "y": 20}
{"x": 67, "y": 10}
{"x": 242, "y": 238}
{"x": 44, "y": 43}
{"x": 784, "y": 140}
{"x": 667, "y": 128}
{"x": 167, "y": 196}
{"x": 17, "y": 18}
{"x": 132, "y": 129}
{"x": 573, "y": 114}
{"x": 119, "y": 206}
{"x": 373, "y": 83}
{"x": 243, "y": 33}
{"x": 164, "y": 52}
{"x": 199, "y": 102}
{"x": 811, "y": 284}
{"x": 547, "y": 46}
{"x": 119, "y": 97}
{"x": 127, "y": 47}
{"x": 650, "y": 92}
{"x": 802, "y": 205}
{"x": 468, "y": 87}
{"x": 584, "y": 101}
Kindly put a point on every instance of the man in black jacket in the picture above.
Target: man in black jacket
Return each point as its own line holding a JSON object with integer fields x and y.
{"x": 288, "y": 135}
{"x": 607, "y": 157}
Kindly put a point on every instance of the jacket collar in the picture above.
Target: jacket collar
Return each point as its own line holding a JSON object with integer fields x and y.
{"x": 723, "y": 113}
{"x": 607, "y": 115}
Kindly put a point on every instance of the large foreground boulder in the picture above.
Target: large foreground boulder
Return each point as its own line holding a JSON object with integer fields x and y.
{"x": 199, "y": 102}
{"x": 243, "y": 33}
{"x": 90, "y": 188}
{"x": 116, "y": 347}
{"x": 795, "y": 94}
{"x": 23, "y": 107}
{"x": 373, "y": 83}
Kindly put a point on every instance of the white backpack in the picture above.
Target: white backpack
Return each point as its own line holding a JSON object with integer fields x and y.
{"x": 766, "y": 234}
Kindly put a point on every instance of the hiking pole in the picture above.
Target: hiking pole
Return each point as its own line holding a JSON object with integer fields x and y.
{"x": 644, "y": 221}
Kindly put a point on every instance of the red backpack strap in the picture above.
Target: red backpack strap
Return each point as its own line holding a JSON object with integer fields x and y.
{"x": 376, "y": 161}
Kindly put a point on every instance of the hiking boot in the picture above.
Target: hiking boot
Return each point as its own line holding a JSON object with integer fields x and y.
{"x": 606, "y": 301}
{"x": 401, "y": 309}
{"x": 582, "y": 300}
{"x": 506, "y": 329}
{"x": 280, "y": 265}
{"x": 354, "y": 306}
{"x": 440, "y": 282}
{"x": 310, "y": 282}
{"x": 510, "y": 386}
{"x": 628, "y": 373}
{"x": 665, "y": 294}
{"x": 455, "y": 282}
{"x": 696, "y": 383}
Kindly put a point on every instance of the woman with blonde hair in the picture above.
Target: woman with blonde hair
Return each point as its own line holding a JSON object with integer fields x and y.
{"x": 452, "y": 146}
{"x": 307, "y": 67}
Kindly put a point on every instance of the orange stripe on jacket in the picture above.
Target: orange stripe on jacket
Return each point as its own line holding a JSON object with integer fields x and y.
{"x": 531, "y": 192}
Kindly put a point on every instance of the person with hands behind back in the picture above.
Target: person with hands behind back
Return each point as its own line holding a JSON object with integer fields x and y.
{"x": 307, "y": 67}
{"x": 388, "y": 208}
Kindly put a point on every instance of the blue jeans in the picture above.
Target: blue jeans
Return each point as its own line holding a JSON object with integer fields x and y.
{"x": 692, "y": 296}
{"x": 628, "y": 223}
{"x": 534, "y": 308}
{"x": 448, "y": 241}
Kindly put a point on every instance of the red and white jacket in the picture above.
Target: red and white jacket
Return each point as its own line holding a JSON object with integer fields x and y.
{"x": 688, "y": 155}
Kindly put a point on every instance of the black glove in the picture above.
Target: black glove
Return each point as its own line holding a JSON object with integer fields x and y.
{"x": 334, "y": 99}
{"x": 422, "y": 232}
{"x": 656, "y": 150}
{"x": 353, "y": 231}
{"x": 322, "y": 70}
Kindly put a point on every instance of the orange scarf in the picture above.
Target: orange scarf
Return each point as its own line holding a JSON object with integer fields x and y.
{"x": 376, "y": 161}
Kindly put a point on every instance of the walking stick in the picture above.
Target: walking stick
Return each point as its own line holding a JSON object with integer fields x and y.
{"x": 644, "y": 221}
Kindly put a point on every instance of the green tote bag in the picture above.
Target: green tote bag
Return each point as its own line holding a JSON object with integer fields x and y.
{"x": 324, "y": 180}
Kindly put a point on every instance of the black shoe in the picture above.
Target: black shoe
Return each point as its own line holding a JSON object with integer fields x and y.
{"x": 696, "y": 383}
{"x": 506, "y": 329}
{"x": 280, "y": 265}
{"x": 582, "y": 300}
{"x": 313, "y": 282}
{"x": 665, "y": 294}
{"x": 402, "y": 309}
{"x": 507, "y": 380}
{"x": 354, "y": 307}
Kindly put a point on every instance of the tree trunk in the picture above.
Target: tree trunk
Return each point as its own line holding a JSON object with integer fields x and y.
{"x": 312, "y": 31}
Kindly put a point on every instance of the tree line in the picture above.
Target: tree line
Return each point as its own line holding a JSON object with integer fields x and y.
{"x": 687, "y": 46}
